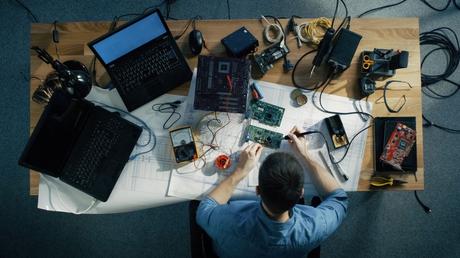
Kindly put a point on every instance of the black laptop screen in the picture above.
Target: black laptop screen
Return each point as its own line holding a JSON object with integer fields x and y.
{"x": 130, "y": 38}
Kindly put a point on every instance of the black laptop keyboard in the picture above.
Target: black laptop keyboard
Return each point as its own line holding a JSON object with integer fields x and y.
{"x": 151, "y": 63}
{"x": 103, "y": 138}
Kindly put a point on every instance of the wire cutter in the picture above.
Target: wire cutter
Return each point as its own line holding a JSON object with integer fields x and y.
{"x": 386, "y": 181}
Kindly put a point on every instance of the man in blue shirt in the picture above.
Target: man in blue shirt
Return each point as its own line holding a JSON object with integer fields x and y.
{"x": 275, "y": 226}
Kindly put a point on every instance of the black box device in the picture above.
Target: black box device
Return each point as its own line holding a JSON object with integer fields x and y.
{"x": 240, "y": 43}
{"x": 344, "y": 49}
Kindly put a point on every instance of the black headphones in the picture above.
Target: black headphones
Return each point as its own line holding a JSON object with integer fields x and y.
{"x": 72, "y": 76}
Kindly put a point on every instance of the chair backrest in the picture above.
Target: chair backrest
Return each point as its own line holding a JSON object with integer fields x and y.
{"x": 200, "y": 242}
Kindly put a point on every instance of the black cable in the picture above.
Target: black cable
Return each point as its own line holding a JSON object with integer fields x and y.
{"x": 28, "y": 10}
{"x": 429, "y": 123}
{"x": 380, "y": 8}
{"x": 437, "y": 9}
{"x": 423, "y": 1}
{"x": 335, "y": 13}
{"x": 385, "y": 88}
{"x": 425, "y": 208}
{"x": 228, "y": 9}
{"x": 440, "y": 39}
{"x": 323, "y": 109}
{"x": 190, "y": 21}
{"x": 56, "y": 39}
{"x": 168, "y": 108}
{"x": 297, "y": 84}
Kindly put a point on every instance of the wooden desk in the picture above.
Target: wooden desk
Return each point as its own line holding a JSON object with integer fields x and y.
{"x": 381, "y": 33}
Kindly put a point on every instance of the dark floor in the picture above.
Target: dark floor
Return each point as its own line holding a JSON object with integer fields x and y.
{"x": 378, "y": 225}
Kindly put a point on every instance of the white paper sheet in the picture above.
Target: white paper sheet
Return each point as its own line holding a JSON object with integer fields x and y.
{"x": 309, "y": 117}
{"x": 193, "y": 183}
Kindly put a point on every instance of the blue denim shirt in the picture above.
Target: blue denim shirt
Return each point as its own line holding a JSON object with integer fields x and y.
{"x": 242, "y": 228}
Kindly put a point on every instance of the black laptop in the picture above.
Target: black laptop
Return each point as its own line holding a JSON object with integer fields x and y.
{"x": 84, "y": 145}
{"x": 142, "y": 59}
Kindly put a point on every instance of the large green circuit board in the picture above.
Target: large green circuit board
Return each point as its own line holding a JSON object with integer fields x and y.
{"x": 266, "y": 113}
{"x": 265, "y": 137}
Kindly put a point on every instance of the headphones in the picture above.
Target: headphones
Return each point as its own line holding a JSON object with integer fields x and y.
{"x": 72, "y": 76}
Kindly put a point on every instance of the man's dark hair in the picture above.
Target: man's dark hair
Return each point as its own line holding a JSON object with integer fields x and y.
{"x": 281, "y": 181}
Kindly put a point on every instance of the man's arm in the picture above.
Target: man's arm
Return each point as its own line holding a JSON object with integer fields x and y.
{"x": 324, "y": 182}
{"x": 211, "y": 208}
{"x": 247, "y": 161}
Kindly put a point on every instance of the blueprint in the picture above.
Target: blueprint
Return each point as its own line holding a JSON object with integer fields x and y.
{"x": 195, "y": 180}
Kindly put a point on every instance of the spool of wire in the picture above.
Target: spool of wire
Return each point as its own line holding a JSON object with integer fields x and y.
{"x": 313, "y": 32}
{"x": 223, "y": 162}
{"x": 272, "y": 32}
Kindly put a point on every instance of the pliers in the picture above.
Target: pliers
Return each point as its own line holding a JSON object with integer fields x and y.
{"x": 379, "y": 181}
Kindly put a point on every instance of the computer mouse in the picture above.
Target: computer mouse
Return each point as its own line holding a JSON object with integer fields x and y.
{"x": 195, "y": 42}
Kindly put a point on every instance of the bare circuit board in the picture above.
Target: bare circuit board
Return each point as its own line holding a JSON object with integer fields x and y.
{"x": 265, "y": 137}
{"x": 266, "y": 113}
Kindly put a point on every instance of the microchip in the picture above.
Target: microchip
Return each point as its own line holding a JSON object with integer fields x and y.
{"x": 398, "y": 146}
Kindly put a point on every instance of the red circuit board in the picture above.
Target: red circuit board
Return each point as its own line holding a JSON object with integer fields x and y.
{"x": 398, "y": 146}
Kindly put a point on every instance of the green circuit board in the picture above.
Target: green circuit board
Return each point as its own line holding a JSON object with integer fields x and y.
{"x": 266, "y": 113}
{"x": 265, "y": 137}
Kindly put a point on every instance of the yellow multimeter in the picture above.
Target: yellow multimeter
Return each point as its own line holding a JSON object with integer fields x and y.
{"x": 183, "y": 143}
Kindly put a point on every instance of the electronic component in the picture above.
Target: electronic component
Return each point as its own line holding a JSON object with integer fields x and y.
{"x": 379, "y": 63}
{"x": 255, "y": 91}
{"x": 367, "y": 86}
{"x": 264, "y": 61}
{"x": 265, "y": 137}
{"x": 298, "y": 97}
{"x": 266, "y": 113}
{"x": 382, "y": 62}
{"x": 223, "y": 162}
{"x": 344, "y": 49}
{"x": 222, "y": 84}
{"x": 337, "y": 131}
{"x": 183, "y": 144}
{"x": 240, "y": 43}
{"x": 399, "y": 146}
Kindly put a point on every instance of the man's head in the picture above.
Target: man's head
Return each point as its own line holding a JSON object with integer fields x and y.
{"x": 281, "y": 181}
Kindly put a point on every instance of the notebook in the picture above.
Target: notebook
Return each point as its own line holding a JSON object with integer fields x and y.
{"x": 84, "y": 145}
{"x": 142, "y": 59}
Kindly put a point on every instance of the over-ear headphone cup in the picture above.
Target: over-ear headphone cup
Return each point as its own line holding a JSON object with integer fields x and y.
{"x": 76, "y": 65}
{"x": 46, "y": 89}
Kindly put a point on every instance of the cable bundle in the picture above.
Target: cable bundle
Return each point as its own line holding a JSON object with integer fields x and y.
{"x": 440, "y": 39}
{"x": 314, "y": 30}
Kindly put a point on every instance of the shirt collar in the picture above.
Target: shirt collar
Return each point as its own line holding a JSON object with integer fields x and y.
{"x": 262, "y": 215}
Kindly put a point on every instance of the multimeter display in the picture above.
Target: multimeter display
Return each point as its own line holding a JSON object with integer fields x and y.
{"x": 183, "y": 144}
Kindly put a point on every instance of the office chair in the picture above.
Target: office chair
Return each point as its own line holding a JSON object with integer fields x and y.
{"x": 201, "y": 243}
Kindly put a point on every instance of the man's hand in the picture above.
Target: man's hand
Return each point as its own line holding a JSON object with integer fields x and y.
{"x": 298, "y": 143}
{"x": 248, "y": 158}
